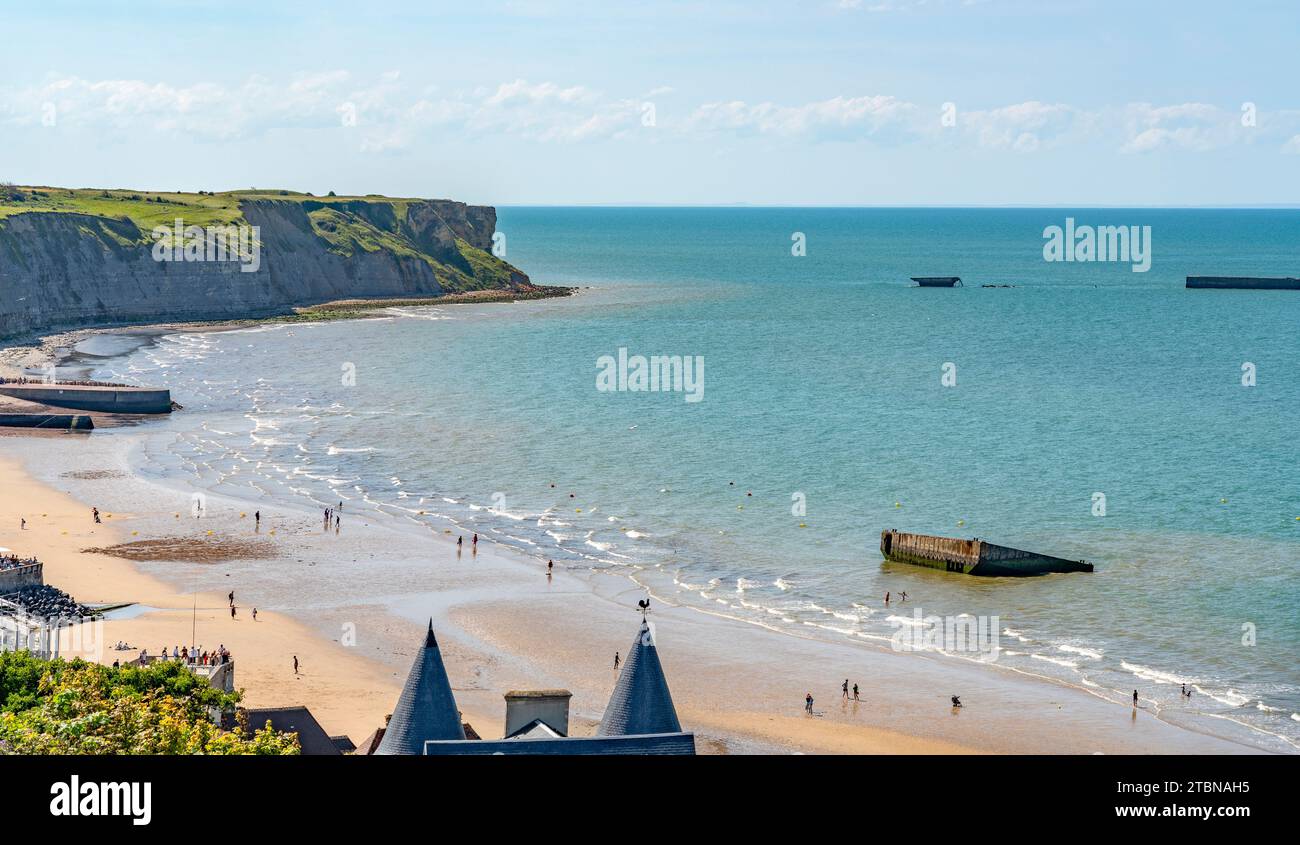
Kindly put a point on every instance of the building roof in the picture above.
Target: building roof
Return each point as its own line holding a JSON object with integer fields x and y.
{"x": 536, "y": 729}
{"x": 585, "y": 746}
{"x": 343, "y": 743}
{"x": 426, "y": 709}
{"x": 641, "y": 703}
{"x": 370, "y": 743}
{"x": 312, "y": 738}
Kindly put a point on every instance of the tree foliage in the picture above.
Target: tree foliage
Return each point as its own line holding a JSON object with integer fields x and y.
{"x": 75, "y": 707}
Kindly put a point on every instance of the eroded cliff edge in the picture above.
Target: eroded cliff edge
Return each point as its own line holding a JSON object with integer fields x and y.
{"x": 71, "y": 259}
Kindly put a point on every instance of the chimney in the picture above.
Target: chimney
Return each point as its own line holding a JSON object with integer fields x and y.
{"x": 551, "y": 706}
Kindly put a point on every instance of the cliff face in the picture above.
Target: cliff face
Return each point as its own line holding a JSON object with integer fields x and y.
{"x": 64, "y": 269}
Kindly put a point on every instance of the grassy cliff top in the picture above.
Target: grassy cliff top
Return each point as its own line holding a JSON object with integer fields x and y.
{"x": 153, "y": 208}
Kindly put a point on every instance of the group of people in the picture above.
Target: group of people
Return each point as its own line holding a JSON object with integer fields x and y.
{"x": 14, "y": 561}
{"x": 847, "y": 693}
{"x": 331, "y": 516}
{"x": 74, "y": 382}
{"x": 216, "y": 657}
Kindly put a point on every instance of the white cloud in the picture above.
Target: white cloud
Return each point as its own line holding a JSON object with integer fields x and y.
{"x": 1191, "y": 126}
{"x": 836, "y": 117}
{"x": 388, "y": 113}
{"x": 1023, "y": 127}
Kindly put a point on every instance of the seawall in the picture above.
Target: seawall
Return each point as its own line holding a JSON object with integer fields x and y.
{"x": 108, "y": 400}
{"x": 15, "y": 579}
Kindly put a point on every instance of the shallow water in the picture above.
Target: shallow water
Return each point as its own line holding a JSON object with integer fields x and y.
{"x": 823, "y": 385}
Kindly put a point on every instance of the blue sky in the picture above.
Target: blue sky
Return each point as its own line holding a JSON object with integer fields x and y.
{"x": 838, "y": 102}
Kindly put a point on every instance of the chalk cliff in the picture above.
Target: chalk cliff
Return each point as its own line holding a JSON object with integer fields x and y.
{"x": 64, "y": 267}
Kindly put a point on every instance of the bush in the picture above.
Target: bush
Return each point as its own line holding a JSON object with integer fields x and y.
{"x": 75, "y": 707}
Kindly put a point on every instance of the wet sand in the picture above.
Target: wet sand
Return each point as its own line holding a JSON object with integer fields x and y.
{"x": 352, "y": 606}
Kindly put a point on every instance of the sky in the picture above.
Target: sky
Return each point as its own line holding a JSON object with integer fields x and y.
{"x": 824, "y": 102}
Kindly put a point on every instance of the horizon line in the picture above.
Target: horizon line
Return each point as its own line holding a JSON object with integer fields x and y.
{"x": 738, "y": 205}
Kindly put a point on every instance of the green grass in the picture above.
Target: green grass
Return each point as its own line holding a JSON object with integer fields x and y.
{"x": 145, "y": 209}
{"x": 148, "y": 209}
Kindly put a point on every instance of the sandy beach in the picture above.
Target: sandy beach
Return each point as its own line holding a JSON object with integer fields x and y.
{"x": 351, "y": 605}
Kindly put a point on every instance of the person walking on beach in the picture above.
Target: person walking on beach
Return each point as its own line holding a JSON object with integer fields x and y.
{"x": 460, "y": 544}
{"x": 23, "y": 526}
{"x": 902, "y": 596}
{"x": 254, "y": 614}
{"x": 338, "y": 521}
{"x": 257, "y": 520}
{"x": 95, "y": 513}
{"x": 550, "y": 565}
{"x": 807, "y": 702}
{"x": 855, "y": 692}
{"x": 616, "y": 661}
{"x": 474, "y": 543}
{"x": 231, "y": 598}
{"x": 232, "y": 611}
{"x": 886, "y": 597}
{"x": 295, "y": 664}
{"x": 845, "y": 689}
{"x": 1135, "y": 698}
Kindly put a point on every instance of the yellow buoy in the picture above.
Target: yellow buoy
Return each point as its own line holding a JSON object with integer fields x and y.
{"x": 209, "y": 533}
{"x": 961, "y": 522}
{"x": 135, "y": 533}
{"x": 898, "y": 504}
{"x": 803, "y": 525}
{"x": 242, "y": 515}
{"x": 1223, "y": 501}
{"x": 577, "y": 510}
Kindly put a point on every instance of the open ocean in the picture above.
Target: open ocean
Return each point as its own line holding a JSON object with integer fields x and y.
{"x": 822, "y": 385}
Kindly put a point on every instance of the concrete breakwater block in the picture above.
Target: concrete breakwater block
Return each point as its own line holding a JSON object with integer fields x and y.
{"x": 73, "y": 422}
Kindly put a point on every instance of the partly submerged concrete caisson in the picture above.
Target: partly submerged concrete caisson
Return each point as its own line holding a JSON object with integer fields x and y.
{"x": 971, "y": 557}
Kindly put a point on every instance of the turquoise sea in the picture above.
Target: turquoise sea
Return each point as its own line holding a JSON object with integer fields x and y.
{"x": 822, "y": 386}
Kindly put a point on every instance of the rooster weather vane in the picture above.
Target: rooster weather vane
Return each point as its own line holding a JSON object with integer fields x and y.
{"x": 644, "y": 604}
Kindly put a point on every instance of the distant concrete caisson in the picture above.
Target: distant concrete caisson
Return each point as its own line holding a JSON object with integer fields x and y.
{"x": 1242, "y": 283}
{"x": 971, "y": 557}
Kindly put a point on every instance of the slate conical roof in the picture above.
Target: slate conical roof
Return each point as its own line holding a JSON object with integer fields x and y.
{"x": 641, "y": 703}
{"x": 426, "y": 708}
